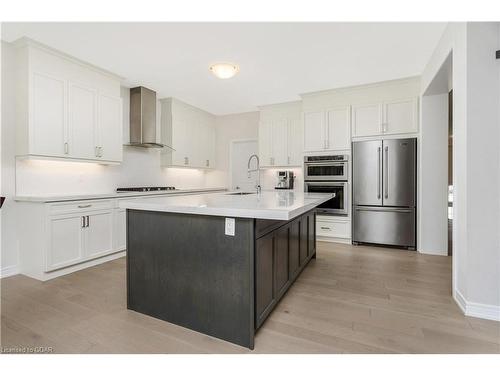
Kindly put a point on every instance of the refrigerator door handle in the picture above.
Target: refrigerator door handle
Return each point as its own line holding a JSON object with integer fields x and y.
{"x": 378, "y": 173}
{"x": 386, "y": 172}
{"x": 385, "y": 209}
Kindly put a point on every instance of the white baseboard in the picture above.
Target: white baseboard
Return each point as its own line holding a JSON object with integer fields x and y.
{"x": 477, "y": 310}
{"x": 9, "y": 271}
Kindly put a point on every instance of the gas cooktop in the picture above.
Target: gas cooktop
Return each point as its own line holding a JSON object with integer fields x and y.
{"x": 145, "y": 188}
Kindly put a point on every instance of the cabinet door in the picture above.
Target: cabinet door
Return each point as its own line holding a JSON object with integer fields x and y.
{"x": 281, "y": 270}
{"x": 295, "y": 141}
{"x": 65, "y": 241}
{"x": 265, "y": 143}
{"x": 48, "y": 121}
{"x": 119, "y": 229}
{"x": 263, "y": 275}
{"x": 294, "y": 245}
{"x": 366, "y": 120}
{"x": 280, "y": 142}
{"x": 83, "y": 122}
{"x": 401, "y": 116}
{"x": 180, "y": 140}
{"x": 314, "y": 131}
{"x": 311, "y": 235}
{"x": 338, "y": 129}
{"x": 210, "y": 147}
{"x": 303, "y": 240}
{"x": 110, "y": 128}
{"x": 98, "y": 234}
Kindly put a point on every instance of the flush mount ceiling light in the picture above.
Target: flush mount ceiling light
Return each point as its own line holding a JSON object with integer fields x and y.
{"x": 224, "y": 70}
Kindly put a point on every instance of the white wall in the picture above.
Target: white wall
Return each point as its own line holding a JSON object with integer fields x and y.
{"x": 433, "y": 181}
{"x": 476, "y": 87}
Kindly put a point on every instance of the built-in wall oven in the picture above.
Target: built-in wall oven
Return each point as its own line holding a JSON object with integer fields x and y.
{"x": 328, "y": 174}
{"x": 326, "y": 168}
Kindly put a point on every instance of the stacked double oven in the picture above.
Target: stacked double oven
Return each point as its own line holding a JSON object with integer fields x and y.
{"x": 328, "y": 174}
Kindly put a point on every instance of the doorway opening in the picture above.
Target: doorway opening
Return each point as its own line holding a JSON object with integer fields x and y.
{"x": 436, "y": 164}
{"x": 241, "y": 150}
{"x": 450, "y": 173}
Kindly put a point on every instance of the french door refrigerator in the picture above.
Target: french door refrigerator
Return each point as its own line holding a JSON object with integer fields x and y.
{"x": 384, "y": 192}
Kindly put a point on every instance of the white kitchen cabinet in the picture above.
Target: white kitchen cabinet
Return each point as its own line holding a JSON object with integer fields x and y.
{"x": 280, "y": 135}
{"x": 98, "y": 234}
{"x": 66, "y": 108}
{"x": 314, "y": 131}
{"x": 333, "y": 228}
{"x": 279, "y": 138}
{"x": 190, "y": 132}
{"x": 62, "y": 237}
{"x": 82, "y": 122}
{"x": 119, "y": 229}
{"x": 327, "y": 130}
{"x": 65, "y": 241}
{"x": 338, "y": 132}
{"x": 110, "y": 128}
{"x": 48, "y": 111}
{"x": 79, "y": 231}
{"x": 294, "y": 137}
{"x": 367, "y": 119}
{"x": 398, "y": 116}
{"x": 265, "y": 143}
{"x": 401, "y": 116}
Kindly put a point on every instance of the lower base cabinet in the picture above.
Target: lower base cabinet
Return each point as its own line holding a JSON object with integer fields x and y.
{"x": 280, "y": 256}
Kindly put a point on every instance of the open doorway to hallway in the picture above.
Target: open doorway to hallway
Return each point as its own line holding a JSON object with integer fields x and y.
{"x": 436, "y": 165}
{"x": 450, "y": 173}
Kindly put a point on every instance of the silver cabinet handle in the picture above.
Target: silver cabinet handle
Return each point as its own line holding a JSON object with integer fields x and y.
{"x": 386, "y": 172}
{"x": 96, "y": 151}
{"x": 378, "y": 172}
{"x": 83, "y": 221}
{"x": 326, "y": 228}
{"x": 186, "y": 160}
{"x": 100, "y": 151}
{"x": 66, "y": 148}
{"x": 385, "y": 209}
{"x": 208, "y": 163}
{"x": 88, "y": 221}
{"x": 84, "y": 206}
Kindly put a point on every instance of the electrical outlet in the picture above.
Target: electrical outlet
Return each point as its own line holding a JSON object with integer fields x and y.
{"x": 230, "y": 224}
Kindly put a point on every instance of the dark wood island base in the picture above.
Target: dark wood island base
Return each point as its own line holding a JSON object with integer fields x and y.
{"x": 184, "y": 269}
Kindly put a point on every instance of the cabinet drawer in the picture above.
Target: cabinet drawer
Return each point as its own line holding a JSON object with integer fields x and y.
{"x": 332, "y": 228}
{"x": 83, "y": 206}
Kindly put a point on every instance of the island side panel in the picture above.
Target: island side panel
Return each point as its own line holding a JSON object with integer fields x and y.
{"x": 184, "y": 269}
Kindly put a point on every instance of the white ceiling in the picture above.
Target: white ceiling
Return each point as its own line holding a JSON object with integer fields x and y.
{"x": 277, "y": 61}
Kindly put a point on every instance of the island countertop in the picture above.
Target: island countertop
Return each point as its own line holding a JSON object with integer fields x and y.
{"x": 273, "y": 205}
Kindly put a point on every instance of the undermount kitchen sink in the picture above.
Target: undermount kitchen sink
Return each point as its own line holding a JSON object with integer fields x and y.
{"x": 241, "y": 193}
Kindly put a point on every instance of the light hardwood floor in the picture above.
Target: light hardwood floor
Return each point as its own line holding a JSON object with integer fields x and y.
{"x": 348, "y": 300}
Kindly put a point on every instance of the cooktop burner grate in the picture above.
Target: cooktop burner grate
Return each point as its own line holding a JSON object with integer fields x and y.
{"x": 145, "y": 188}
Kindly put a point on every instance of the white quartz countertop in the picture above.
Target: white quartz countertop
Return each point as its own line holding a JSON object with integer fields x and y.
{"x": 274, "y": 205}
{"x": 64, "y": 198}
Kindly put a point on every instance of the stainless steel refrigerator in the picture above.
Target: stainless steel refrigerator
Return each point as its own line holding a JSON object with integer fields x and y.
{"x": 384, "y": 192}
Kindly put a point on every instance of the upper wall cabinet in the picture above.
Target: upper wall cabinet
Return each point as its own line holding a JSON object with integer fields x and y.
{"x": 391, "y": 117}
{"x": 66, "y": 108}
{"x": 333, "y": 118}
{"x": 190, "y": 132}
{"x": 327, "y": 130}
{"x": 280, "y": 135}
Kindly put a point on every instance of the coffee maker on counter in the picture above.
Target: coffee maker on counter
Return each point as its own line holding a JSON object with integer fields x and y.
{"x": 285, "y": 180}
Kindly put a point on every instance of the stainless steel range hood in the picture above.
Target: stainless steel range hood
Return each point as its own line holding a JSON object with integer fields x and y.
{"x": 143, "y": 118}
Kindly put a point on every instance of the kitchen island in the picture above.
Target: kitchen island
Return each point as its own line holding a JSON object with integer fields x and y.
{"x": 218, "y": 263}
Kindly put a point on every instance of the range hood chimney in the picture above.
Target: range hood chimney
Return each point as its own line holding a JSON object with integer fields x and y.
{"x": 143, "y": 118}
